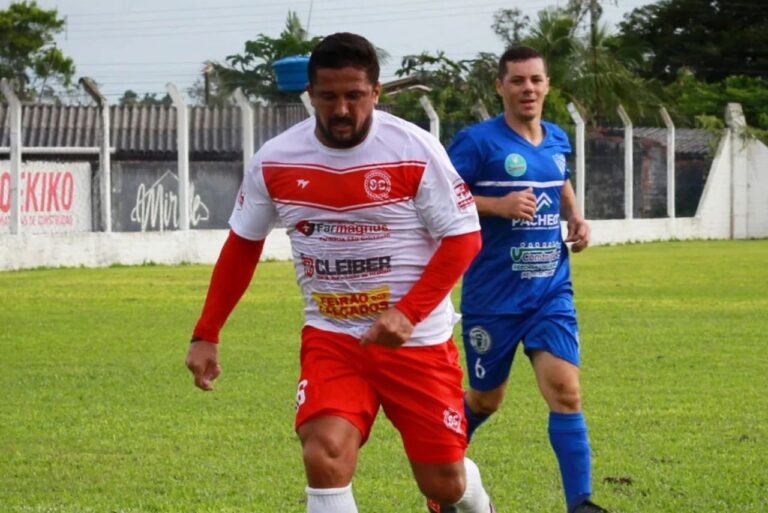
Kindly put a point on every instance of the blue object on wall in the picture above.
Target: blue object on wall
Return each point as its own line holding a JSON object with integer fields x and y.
{"x": 291, "y": 73}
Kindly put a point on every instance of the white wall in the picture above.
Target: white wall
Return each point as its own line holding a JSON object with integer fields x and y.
{"x": 757, "y": 177}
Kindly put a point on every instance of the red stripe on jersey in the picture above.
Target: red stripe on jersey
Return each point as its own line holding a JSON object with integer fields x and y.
{"x": 343, "y": 189}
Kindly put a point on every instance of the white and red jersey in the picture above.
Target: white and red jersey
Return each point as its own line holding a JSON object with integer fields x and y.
{"x": 363, "y": 222}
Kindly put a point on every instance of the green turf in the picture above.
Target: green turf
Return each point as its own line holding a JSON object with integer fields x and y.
{"x": 99, "y": 414}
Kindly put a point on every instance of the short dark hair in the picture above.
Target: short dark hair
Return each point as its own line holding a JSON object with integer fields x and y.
{"x": 518, "y": 54}
{"x": 344, "y": 49}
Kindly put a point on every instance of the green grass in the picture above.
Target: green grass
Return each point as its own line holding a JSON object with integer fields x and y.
{"x": 98, "y": 413}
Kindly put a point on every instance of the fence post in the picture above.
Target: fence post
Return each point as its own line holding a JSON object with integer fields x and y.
{"x": 307, "y": 103}
{"x": 246, "y": 117}
{"x": 434, "y": 119}
{"x": 670, "y": 162}
{"x": 628, "y": 161}
{"x": 105, "y": 158}
{"x": 580, "y": 157}
{"x": 182, "y": 152}
{"x": 479, "y": 110}
{"x": 16, "y": 142}
{"x": 737, "y": 124}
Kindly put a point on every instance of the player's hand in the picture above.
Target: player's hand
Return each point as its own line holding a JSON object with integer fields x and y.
{"x": 578, "y": 233}
{"x": 203, "y": 363}
{"x": 390, "y": 329}
{"x": 518, "y": 205}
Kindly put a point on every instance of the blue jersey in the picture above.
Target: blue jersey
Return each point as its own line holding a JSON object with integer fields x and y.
{"x": 522, "y": 263}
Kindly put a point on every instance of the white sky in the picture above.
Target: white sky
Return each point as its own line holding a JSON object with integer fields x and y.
{"x": 144, "y": 44}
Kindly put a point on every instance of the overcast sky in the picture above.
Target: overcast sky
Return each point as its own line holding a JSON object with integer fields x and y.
{"x": 144, "y": 44}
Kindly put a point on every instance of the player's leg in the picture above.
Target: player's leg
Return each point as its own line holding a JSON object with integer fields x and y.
{"x": 335, "y": 409}
{"x": 553, "y": 346}
{"x": 421, "y": 393}
{"x": 490, "y": 344}
{"x": 329, "y": 446}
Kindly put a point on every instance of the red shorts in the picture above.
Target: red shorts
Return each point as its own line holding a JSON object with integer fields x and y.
{"x": 419, "y": 389}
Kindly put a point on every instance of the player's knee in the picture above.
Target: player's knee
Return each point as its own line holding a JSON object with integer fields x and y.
{"x": 444, "y": 490}
{"x": 485, "y": 403}
{"x": 327, "y": 460}
{"x": 565, "y": 396}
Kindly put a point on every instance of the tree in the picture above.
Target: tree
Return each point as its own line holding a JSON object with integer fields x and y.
{"x": 131, "y": 99}
{"x": 252, "y": 70}
{"x": 712, "y": 38}
{"x": 28, "y": 52}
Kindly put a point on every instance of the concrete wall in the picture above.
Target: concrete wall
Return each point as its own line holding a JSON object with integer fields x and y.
{"x": 734, "y": 204}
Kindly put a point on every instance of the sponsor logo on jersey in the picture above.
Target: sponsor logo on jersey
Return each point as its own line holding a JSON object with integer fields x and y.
{"x": 302, "y": 183}
{"x": 464, "y": 198}
{"x": 377, "y": 184}
{"x": 536, "y": 259}
{"x": 542, "y": 220}
{"x": 515, "y": 165}
{"x": 352, "y": 305}
{"x": 559, "y": 159}
{"x": 343, "y": 231}
{"x": 480, "y": 339}
{"x": 240, "y": 198}
{"x": 452, "y": 420}
{"x": 543, "y": 202}
{"x": 345, "y": 268}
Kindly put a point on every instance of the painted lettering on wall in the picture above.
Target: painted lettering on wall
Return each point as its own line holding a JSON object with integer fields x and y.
{"x": 157, "y": 205}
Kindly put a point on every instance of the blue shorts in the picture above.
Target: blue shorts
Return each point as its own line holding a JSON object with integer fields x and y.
{"x": 490, "y": 341}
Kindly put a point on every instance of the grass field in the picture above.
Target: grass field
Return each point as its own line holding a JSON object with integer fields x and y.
{"x": 98, "y": 413}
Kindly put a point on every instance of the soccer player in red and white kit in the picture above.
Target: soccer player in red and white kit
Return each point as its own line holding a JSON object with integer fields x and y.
{"x": 381, "y": 228}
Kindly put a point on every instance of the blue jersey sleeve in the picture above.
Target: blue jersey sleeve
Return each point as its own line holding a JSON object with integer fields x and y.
{"x": 465, "y": 156}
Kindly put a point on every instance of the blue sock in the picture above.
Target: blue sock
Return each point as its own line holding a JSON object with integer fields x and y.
{"x": 568, "y": 436}
{"x": 473, "y": 420}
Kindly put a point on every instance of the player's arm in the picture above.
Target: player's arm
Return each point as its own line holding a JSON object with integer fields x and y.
{"x": 231, "y": 276}
{"x": 513, "y": 205}
{"x": 468, "y": 159}
{"x": 452, "y": 257}
{"x": 578, "y": 228}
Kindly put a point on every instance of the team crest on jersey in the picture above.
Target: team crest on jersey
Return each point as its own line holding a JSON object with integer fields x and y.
{"x": 309, "y": 265}
{"x": 559, "y": 159}
{"x": 452, "y": 420}
{"x": 377, "y": 184}
{"x": 515, "y": 165}
{"x": 480, "y": 340}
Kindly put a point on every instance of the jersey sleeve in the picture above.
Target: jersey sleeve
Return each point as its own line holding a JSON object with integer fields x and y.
{"x": 444, "y": 201}
{"x": 465, "y": 156}
{"x": 254, "y": 214}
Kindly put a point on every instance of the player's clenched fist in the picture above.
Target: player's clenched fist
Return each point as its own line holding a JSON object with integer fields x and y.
{"x": 203, "y": 362}
{"x": 390, "y": 329}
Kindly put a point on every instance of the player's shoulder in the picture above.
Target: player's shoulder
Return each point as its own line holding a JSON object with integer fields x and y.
{"x": 555, "y": 133}
{"x": 476, "y": 135}
{"x": 287, "y": 140}
{"x": 398, "y": 132}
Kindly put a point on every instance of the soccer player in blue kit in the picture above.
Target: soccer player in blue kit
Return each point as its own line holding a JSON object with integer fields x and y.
{"x": 518, "y": 289}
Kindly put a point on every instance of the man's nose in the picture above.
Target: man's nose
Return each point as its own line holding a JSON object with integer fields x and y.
{"x": 341, "y": 108}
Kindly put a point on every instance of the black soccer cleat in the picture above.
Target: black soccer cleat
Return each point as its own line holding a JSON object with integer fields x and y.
{"x": 588, "y": 507}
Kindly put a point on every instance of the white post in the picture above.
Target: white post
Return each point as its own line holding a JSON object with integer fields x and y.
{"x": 737, "y": 124}
{"x": 580, "y": 157}
{"x": 105, "y": 157}
{"x": 182, "y": 151}
{"x": 15, "y": 148}
{"x": 434, "y": 119}
{"x": 479, "y": 110}
{"x": 307, "y": 103}
{"x": 246, "y": 116}
{"x": 628, "y": 162}
{"x": 670, "y": 162}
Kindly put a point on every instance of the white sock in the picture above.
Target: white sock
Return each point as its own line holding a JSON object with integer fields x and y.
{"x": 475, "y": 499}
{"x": 331, "y": 500}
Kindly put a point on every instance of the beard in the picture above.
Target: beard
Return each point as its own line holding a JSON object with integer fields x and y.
{"x": 354, "y": 137}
